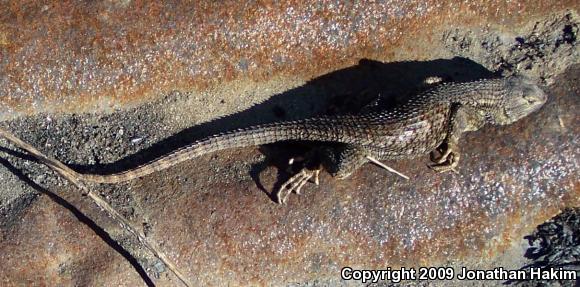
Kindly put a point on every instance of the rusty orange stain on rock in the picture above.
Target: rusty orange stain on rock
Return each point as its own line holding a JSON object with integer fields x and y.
{"x": 70, "y": 54}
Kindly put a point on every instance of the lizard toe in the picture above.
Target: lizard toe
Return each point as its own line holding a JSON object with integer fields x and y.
{"x": 295, "y": 184}
{"x": 450, "y": 163}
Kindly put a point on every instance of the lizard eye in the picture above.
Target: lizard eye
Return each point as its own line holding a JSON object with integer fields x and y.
{"x": 531, "y": 100}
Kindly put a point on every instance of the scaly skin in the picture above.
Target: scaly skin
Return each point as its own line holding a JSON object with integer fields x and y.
{"x": 430, "y": 121}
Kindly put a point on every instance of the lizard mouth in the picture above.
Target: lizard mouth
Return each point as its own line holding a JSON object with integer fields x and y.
{"x": 524, "y": 110}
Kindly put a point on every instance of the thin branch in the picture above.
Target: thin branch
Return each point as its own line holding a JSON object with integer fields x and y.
{"x": 70, "y": 175}
{"x": 377, "y": 162}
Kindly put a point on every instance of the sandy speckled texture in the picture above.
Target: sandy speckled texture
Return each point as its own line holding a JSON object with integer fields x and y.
{"x": 155, "y": 77}
{"x": 84, "y": 56}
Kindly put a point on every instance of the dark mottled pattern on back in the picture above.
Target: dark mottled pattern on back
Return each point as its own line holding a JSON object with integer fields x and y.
{"x": 411, "y": 129}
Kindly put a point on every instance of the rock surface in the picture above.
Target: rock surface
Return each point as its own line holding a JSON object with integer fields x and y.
{"x": 84, "y": 56}
{"x": 213, "y": 216}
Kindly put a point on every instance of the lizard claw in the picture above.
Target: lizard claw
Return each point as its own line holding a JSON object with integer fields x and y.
{"x": 316, "y": 174}
{"x": 447, "y": 160}
{"x": 295, "y": 183}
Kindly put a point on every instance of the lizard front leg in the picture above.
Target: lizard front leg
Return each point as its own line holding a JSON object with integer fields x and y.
{"x": 462, "y": 119}
{"x": 446, "y": 156}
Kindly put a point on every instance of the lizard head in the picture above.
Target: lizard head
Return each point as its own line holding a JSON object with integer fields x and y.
{"x": 522, "y": 98}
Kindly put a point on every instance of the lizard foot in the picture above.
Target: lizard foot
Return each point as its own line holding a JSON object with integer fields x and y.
{"x": 445, "y": 158}
{"x": 295, "y": 183}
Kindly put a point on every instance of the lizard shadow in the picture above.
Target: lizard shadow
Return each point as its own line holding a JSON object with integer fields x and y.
{"x": 340, "y": 92}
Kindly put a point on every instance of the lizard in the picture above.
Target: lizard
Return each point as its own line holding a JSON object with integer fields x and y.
{"x": 428, "y": 122}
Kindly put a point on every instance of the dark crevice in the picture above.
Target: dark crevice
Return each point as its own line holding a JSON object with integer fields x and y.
{"x": 554, "y": 244}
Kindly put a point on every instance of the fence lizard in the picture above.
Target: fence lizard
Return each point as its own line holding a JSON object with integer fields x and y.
{"x": 431, "y": 121}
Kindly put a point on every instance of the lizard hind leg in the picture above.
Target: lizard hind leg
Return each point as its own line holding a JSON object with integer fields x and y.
{"x": 347, "y": 160}
{"x": 339, "y": 162}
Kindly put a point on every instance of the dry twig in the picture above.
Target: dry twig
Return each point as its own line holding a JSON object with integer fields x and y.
{"x": 71, "y": 175}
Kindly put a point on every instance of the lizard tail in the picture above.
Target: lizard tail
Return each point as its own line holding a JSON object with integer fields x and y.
{"x": 321, "y": 129}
